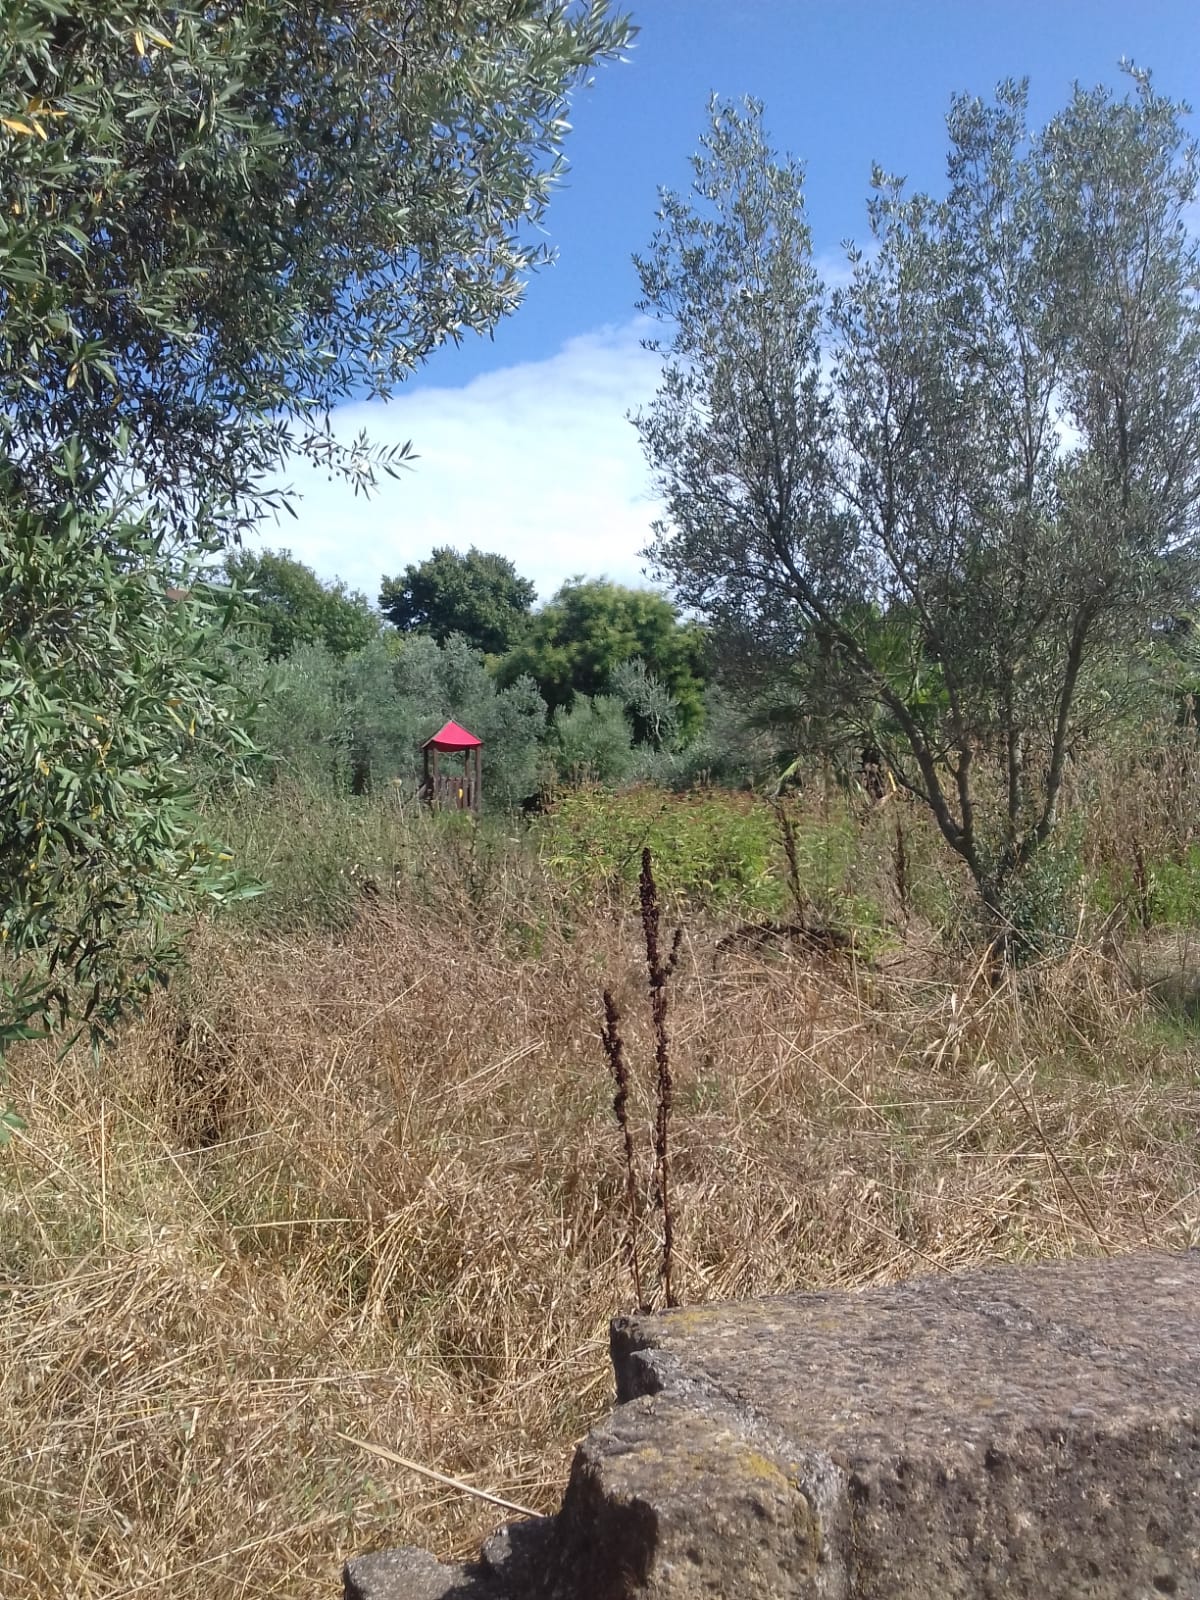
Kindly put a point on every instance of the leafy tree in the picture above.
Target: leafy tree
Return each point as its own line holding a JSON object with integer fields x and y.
{"x": 333, "y": 721}
{"x": 291, "y": 605}
{"x": 217, "y": 222}
{"x": 649, "y": 703}
{"x": 574, "y": 644}
{"x": 733, "y": 748}
{"x": 298, "y": 721}
{"x": 592, "y": 739}
{"x": 109, "y": 697}
{"x": 357, "y": 723}
{"x": 992, "y": 436}
{"x": 478, "y": 595}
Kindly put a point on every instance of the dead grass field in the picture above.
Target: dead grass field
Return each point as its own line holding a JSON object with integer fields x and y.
{"x": 370, "y": 1186}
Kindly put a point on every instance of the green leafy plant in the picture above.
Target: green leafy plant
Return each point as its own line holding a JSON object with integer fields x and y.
{"x": 577, "y": 641}
{"x": 218, "y": 223}
{"x": 713, "y": 851}
{"x": 954, "y": 497}
{"x": 592, "y": 740}
{"x": 479, "y": 595}
{"x": 286, "y": 604}
{"x": 110, "y": 693}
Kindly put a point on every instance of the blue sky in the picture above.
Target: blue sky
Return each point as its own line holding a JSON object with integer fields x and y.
{"x": 522, "y": 438}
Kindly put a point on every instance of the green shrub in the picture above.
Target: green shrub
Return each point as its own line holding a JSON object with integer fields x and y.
{"x": 1041, "y": 903}
{"x": 592, "y": 741}
{"x": 112, "y": 691}
{"x": 1159, "y": 893}
{"x": 714, "y": 850}
{"x": 356, "y": 724}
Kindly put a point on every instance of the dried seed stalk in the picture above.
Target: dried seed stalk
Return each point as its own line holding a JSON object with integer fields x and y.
{"x": 614, "y": 1049}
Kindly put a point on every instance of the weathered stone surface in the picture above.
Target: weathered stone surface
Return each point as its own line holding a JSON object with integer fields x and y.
{"x": 512, "y": 1564}
{"x": 681, "y": 1494}
{"x": 1019, "y": 1432}
{"x": 414, "y": 1574}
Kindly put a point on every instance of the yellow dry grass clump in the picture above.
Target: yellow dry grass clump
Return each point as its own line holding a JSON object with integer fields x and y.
{"x": 370, "y": 1186}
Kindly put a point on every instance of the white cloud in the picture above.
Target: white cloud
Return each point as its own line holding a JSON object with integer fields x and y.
{"x": 535, "y": 461}
{"x": 834, "y": 269}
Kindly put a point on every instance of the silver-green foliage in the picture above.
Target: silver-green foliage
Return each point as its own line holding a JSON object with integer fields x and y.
{"x": 959, "y": 491}
{"x": 220, "y": 221}
{"x": 110, "y": 695}
{"x": 652, "y": 705}
{"x": 358, "y": 723}
{"x": 217, "y": 221}
{"x": 592, "y": 740}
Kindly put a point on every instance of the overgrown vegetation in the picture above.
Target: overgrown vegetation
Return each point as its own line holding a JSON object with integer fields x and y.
{"x": 216, "y": 225}
{"x": 110, "y": 695}
{"x": 357, "y": 1171}
{"x": 350, "y": 1174}
{"x": 953, "y": 501}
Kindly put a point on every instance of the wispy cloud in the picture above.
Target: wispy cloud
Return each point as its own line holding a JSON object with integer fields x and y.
{"x": 834, "y": 269}
{"x": 535, "y": 461}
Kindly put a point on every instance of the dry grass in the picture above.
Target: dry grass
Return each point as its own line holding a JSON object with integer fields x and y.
{"x": 371, "y": 1186}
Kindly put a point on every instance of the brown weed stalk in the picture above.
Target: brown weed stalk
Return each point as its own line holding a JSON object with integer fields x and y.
{"x": 659, "y": 974}
{"x": 614, "y": 1049}
{"x": 787, "y": 833}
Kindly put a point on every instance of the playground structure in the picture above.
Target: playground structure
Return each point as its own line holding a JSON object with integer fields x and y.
{"x": 453, "y": 789}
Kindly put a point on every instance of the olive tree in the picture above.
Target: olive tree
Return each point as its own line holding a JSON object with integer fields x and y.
{"x": 955, "y": 495}
{"x": 215, "y": 223}
{"x": 110, "y": 696}
{"x": 219, "y": 221}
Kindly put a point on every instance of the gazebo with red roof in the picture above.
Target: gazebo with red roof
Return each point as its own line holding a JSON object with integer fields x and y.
{"x": 453, "y": 791}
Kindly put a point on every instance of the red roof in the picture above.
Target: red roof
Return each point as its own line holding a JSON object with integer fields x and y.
{"x": 451, "y": 737}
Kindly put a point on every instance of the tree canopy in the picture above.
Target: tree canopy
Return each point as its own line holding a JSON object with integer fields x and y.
{"x": 479, "y": 595}
{"x": 960, "y": 491}
{"x": 217, "y": 222}
{"x": 574, "y": 644}
{"x": 287, "y": 604}
{"x": 356, "y": 723}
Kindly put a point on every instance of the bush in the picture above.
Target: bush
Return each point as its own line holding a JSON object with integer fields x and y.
{"x": 714, "y": 850}
{"x": 1041, "y": 903}
{"x": 592, "y": 741}
{"x": 322, "y": 720}
{"x": 729, "y": 751}
{"x": 112, "y": 692}
{"x": 357, "y": 724}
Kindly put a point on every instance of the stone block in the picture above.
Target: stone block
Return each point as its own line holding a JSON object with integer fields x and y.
{"x": 1027, "y": 1432}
